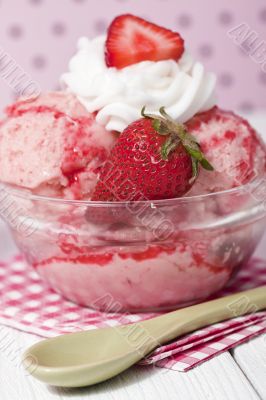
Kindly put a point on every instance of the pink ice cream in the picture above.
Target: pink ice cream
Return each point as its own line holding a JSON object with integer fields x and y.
{"x": 52, "y": 146}
{"x": 135, "y": 273}
{"x": 232, "y": 146}
{"x": 124, "y": 268}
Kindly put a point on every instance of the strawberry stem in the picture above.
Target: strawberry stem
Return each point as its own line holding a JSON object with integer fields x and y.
{"x": 177, "y": 133}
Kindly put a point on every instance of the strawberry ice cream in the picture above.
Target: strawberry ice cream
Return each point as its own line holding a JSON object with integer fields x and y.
{"x": 152, "y": 279}
{"x": 233, "y": 147}
{"x": 127, "y": 268}
{"x": 148, "y": 208}
{"x": 52, "y": 146}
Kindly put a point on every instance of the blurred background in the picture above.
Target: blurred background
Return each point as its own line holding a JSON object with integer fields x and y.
{"x": 41, "y": 36}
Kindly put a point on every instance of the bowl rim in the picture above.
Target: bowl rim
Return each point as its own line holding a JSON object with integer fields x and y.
{"x": 27, "y": 194}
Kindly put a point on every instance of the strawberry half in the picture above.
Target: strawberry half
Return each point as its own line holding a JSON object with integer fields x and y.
{"x": 131, "y": 40}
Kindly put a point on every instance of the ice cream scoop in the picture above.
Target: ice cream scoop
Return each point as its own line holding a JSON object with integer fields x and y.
{"x": 86, "y": 358}
{"x": 233, "y": 147}
{"x": 52, "y": 146}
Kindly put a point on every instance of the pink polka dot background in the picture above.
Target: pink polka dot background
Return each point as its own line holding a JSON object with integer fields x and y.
{"x": 41, "y": 36}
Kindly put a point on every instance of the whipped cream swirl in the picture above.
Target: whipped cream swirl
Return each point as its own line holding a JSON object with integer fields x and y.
{"x": 184, "y": 88}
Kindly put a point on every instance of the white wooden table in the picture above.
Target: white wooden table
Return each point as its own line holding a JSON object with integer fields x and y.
{"x": 238, "y": 374}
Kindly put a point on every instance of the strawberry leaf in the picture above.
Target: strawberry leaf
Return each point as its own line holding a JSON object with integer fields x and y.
{"x": 195, "y": 168}
{"x": 206, "y": 165}
{"x": 160, "y": 127}
{"x": 169, "y": 145}
{"x": 195, "y": 153}
{"x": 178, "y": 133}
{"x": 143, "y": 114}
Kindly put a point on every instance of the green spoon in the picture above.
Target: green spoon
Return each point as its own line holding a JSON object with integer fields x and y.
{"x": 89, "y": 357}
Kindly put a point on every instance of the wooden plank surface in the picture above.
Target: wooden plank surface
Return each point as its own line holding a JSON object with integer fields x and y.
{"x": 218, "y": 379}
{"x": 251, "y": 358}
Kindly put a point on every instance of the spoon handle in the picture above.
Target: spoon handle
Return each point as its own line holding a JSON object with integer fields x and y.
{"x": 169, "y": 326}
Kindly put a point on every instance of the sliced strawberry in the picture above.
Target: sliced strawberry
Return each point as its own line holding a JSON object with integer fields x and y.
{"x": 132, "y": 39}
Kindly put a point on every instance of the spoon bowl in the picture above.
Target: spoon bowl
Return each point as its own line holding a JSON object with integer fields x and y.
{"x": 83, "y": 358}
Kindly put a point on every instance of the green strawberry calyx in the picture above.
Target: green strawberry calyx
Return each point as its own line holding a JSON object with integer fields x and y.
{"x": 177, "y": 134}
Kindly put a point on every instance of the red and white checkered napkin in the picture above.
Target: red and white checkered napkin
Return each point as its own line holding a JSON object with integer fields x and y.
{"x": 28, "y": 304}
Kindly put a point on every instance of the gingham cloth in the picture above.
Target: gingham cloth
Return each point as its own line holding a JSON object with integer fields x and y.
{"x": 28, "y": 304}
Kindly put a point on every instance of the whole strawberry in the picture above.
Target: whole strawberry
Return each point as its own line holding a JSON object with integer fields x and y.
{"x": 154, "y": 158}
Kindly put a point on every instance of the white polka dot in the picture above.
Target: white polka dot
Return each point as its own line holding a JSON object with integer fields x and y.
{"x": 11, "y": 311}
{"x": 30, "y": 317}
{"x": 17, "y": 279}
{"x": 35, "y": 288}
{"x": 2, "y": 272}
{"x": 18, "y": 266}
{"x": 51, "y": 309}
{"x": 14, "y": 295}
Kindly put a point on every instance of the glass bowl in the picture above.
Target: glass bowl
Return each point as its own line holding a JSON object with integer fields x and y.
{"x": 138, "y": 256}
